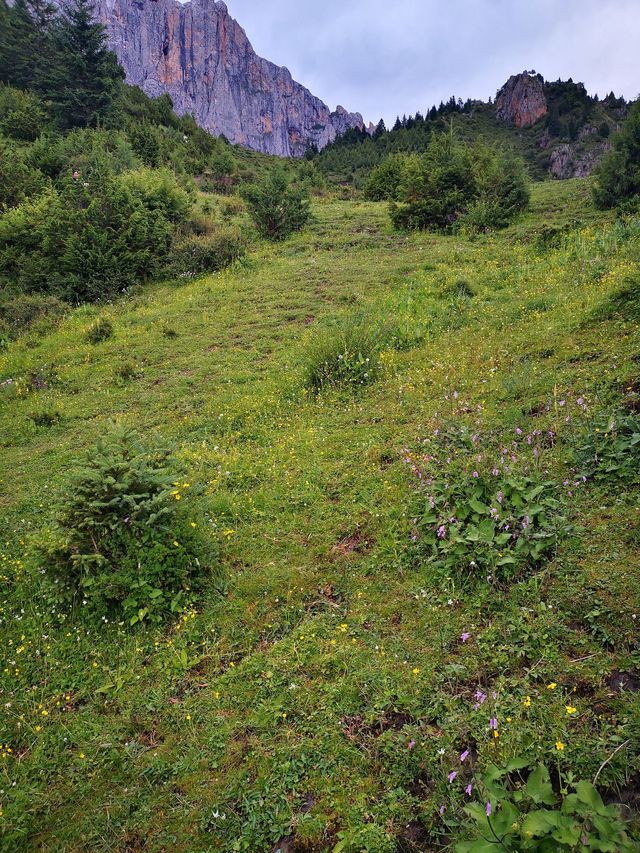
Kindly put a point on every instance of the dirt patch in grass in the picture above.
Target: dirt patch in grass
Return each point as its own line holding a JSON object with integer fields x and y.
{"x": 413, "y": 837}
{"x": 354, "y": 728}
{"x": 354, "y": 543}
{"x": 627, "y": 682}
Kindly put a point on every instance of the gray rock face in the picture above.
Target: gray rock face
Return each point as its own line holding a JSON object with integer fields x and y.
{"x": 198, "y": 54}
{"x": 576, "y": 161}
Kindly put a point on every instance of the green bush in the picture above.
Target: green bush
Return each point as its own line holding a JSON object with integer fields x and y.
{"x": 346, "y": 354}
{"x": 99, "y": 331}
{"x": 92, "y": 154}
{"x": 91, "y": 240}
{"x": 159, "y": 192}
{"x": 232, "y": 206}
{"x": 617, "y": 178}
{"x": 221, "y": 174}
{"x": 453, "y": 185}
{"x": 124, "y": 540}
{"x": 487, "y": 527}
{"x": 198, "y": 254}
{"x": 18, "y": 180}
{"x": 523, "y": 812}
{"x": 277, "y": 208}
{"x": 22, "y": 114}
{"x": 386, "y": 178}
{"x": 458, "y": 289}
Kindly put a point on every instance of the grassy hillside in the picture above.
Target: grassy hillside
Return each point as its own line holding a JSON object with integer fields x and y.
{"x": 321, "y": 699}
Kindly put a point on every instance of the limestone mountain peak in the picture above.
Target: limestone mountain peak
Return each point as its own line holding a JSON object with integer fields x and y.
{"x": 201, "y": 56}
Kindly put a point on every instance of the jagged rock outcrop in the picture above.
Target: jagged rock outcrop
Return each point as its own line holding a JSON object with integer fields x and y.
{"x": 576, "y": 161}
{"x": 522, "y": 101}
{"x": 198, "y": 54}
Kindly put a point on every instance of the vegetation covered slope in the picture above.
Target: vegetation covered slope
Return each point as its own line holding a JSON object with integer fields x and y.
{"x": 324, "y": 697}
{"x": 574, "y": 119}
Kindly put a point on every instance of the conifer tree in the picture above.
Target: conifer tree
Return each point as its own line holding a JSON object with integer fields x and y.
{"x": 86, "y": 76}
{"x": 19, "y": 47}
{"x": 4, "y": 41}
{"x": 43, "y": 14}
{"x": 380, "y": 130}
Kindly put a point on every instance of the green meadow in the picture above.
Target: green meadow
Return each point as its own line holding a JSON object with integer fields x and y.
{"x": 318, "y": 692}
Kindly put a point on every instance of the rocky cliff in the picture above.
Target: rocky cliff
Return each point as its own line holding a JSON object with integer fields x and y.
{"x": 522, "y": 101}
{"x": 201, "y": 56}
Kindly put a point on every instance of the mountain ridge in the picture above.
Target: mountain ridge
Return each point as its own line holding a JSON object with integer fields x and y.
{"x": 201, "y": 56}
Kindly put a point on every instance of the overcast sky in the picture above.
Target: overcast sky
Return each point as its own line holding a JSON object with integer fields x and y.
{"x": 389, "y": 57}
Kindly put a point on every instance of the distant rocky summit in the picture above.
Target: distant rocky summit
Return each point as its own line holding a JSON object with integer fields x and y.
{"x": 522, "y": 101}
{"x": 198, "y": 54}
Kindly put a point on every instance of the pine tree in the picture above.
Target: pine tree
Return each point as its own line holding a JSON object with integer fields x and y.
{"x": 43, "y": 14}
{"x": 19, "y": 50}
{"x": 85, "y": 77}
{"x": 380, "y": 130}
{"x": 4, "y": 40}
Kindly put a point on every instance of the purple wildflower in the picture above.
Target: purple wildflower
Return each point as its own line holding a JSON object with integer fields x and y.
{"x": 412, "y": 744}
{"x": 442, "y": 532}
{"x": 468, "y": 790}
{"x": 465, "y": 636}
{"x": 464, "y": 756}
{"x": 488, "y": 809}
{"x": 476, "y": 475}
{"x": 442, "y": 809}
{"x": 452, "y": 776}
{"x": 493, "y": 723}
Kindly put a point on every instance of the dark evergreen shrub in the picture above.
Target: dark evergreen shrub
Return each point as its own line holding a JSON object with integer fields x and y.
{"x": 91, "y": 240}
{"x": 454, "y": 185}
{"x": 277, "y": 208}
{"x": 124, "y": 539}
{"x": 386, "y": 178}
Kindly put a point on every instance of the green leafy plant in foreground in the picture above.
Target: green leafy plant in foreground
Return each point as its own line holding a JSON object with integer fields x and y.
{"x": 610, "y": 448}
{"x": 491, "y": 527}
{"x": 529, "y": 815}
{"x": 123, "y": 538}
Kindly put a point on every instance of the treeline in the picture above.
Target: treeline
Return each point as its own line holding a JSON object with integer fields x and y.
{"x": 351, "y": 157}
